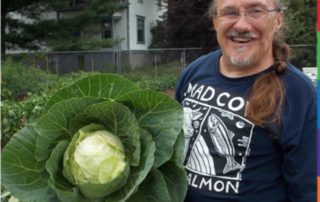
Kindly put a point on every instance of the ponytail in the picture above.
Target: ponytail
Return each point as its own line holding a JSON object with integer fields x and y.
{"x": 268, "y": 93}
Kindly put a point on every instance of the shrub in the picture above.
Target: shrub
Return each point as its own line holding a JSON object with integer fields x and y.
{"x": 160, "y": 83}
{"x": 15, "y": 115}
{"x": 19, "y": 80}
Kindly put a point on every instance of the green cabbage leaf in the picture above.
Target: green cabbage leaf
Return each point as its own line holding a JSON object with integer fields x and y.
{"x": 100, "y": 139}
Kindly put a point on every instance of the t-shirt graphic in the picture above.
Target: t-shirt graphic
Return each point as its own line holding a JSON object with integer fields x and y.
{"x": 217, "y": 139}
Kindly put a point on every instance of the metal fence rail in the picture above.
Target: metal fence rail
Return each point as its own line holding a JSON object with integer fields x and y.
{"x": 153, "y": 61}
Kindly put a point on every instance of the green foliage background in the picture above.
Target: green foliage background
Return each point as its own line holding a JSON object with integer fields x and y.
{"x": 301, "y": 18}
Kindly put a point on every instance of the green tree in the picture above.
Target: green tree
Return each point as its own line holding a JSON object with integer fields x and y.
{"x": 301, "y": 31}
{"x": 189, "y": 25}
{"x": 185, "y": 25}
{"x": 301, "y": 21}
{"x": 29, "y": 29}
{"x": 159, "y": 31}
{"x": 159, "y": 39}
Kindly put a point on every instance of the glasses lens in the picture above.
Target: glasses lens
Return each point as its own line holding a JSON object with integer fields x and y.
{"x": 229, "y": 14}
{"x": 256, "y": 13}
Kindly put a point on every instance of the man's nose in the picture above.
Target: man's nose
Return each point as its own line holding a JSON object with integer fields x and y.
{"x": 242, "y": 24}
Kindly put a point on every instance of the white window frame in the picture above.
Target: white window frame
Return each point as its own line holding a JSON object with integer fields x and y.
{"x": 143, "y": 40}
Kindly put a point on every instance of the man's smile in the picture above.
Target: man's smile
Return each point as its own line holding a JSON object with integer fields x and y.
{"x": 242, "y": 38}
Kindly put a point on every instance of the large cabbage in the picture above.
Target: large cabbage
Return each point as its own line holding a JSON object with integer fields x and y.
{"x": 100, "y": 139}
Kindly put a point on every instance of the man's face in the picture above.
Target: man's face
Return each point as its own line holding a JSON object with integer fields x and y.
{"x": 246, "y": 42}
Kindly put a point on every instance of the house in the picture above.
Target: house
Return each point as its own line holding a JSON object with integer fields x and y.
{"x": 131, "y": 26}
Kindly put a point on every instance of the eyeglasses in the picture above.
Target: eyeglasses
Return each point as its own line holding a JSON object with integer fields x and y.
{"x": 232, "y": 14}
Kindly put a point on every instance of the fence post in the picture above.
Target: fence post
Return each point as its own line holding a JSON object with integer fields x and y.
{"x": 92, "y": 65}
{"x": 47, "y": 63}
{"x": 156, "y": 65}
{"x": 118, "y": 62}
{"x": 57, "y": 64}
{"x": 183, "y": 59}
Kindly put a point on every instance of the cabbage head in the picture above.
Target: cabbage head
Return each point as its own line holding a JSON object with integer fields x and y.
{"x": 100, "y": 139}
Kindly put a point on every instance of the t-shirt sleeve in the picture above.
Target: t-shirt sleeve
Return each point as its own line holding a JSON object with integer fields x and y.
{"x": 298, "y": 142}
{"x": 178, "y": 93}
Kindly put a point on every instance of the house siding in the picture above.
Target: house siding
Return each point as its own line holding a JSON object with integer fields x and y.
{"x": 120, "y": 29}
{"x": 148, "y": 10}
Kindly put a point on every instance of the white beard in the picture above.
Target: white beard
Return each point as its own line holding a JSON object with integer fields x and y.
{"x": 241, "y": 60}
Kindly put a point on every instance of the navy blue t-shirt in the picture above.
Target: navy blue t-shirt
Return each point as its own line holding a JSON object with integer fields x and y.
{"x": 227, "y": 157}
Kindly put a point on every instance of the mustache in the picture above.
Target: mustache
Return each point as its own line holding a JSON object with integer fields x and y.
{"x": 243, "y": 35}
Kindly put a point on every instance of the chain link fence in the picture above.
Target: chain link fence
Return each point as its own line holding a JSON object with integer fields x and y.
{"x": 152, "y": 61}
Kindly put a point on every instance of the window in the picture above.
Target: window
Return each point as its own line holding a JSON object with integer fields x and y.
{"x": 140, "y": 30}
{"x": 106, "y": 30}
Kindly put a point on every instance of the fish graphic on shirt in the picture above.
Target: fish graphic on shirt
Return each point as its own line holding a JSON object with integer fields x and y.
{"x": 222, "y": 141}
{"x": 199, "y": 159}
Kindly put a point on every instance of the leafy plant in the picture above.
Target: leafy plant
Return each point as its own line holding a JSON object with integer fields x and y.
{"x": 41, "y": 161}
{"x": 19, "y": 80}
{"x": 15, "y": 114}
{"x": 165, "y": 81}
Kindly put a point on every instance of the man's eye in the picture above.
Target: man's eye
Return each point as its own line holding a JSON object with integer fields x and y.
{"x": 229, "y": 13}
{"x": 256, "y": 11}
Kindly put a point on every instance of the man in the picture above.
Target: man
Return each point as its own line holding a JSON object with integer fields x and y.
{"x": 249, "y": 116}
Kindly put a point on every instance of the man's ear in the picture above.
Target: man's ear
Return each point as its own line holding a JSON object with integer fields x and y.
{"x": 214, "y": 23}
{"x": 279, "y": 21}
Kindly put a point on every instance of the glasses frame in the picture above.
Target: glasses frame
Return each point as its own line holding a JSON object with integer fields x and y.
{"x": 246, "y": 13}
